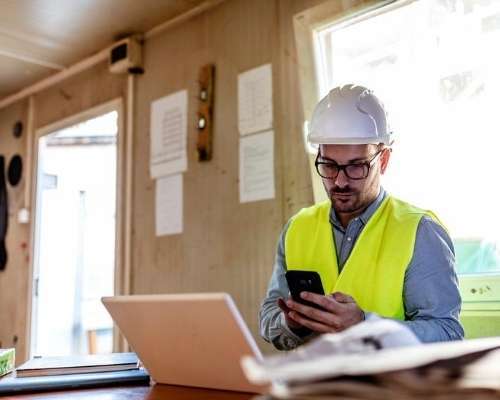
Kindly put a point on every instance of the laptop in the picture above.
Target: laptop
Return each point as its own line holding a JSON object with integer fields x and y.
{"x": 187, "y": 339}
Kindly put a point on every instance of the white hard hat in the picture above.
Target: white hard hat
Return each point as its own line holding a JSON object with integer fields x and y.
{"x": 349, "y": 114}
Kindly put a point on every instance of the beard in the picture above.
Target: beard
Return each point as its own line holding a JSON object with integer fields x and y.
{"x": 347, "y": 200}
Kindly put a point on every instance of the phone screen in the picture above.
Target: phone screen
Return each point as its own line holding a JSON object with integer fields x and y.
{"x": 304, "y": 281}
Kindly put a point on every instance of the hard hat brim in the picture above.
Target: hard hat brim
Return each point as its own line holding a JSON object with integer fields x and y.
{"x": 317, "y": 140}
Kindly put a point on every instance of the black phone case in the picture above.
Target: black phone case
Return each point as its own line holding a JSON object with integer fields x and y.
{"x": 304, "y": 281}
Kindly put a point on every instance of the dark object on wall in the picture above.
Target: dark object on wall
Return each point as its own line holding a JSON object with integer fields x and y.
{"x": 15, "y": 170}
{"x": 4, "y": 214}
{"x": 205, "y": 112}
{"x": 126, "y": 56}
{"x": 17, "y": 131}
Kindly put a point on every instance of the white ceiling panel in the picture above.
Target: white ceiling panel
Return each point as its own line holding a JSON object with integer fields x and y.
{"x": 40, "y": 37}
{"x": 15, "y": 74}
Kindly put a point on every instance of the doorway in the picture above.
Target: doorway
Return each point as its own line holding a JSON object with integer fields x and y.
{"x": 75, "y": 237}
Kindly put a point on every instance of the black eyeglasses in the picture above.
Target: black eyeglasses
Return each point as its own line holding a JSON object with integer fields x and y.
{"x": 356, "y": 171}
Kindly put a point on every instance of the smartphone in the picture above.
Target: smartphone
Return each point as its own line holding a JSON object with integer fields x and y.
{"x": 304, "y": 281}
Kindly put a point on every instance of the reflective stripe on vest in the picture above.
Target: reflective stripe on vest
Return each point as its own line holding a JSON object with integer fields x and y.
{"x": 374, "y": 271}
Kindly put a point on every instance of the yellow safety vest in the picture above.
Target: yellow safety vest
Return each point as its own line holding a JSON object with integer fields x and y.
{"x": 374, "y": 272}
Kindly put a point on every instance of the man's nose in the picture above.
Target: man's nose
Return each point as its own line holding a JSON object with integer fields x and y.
{"x": 341, "y": 180}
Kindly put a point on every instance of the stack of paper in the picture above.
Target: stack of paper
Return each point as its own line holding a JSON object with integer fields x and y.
{"x": 7, "y": 360}
{"x": 371, "y": 361}
{"x": 78, "y": 364}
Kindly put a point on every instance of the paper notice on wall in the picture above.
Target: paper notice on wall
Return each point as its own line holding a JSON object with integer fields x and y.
{"x": 257, "y": 167}
{"x": 255, "y": 100}
{"x": 169, "y": 135}
{"x": 169, "y": 209}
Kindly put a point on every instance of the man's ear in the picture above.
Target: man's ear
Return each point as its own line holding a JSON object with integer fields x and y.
{"x": 384, "y": 159}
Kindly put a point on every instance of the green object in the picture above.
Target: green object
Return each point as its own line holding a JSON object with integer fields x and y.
{"x": 7, "y": 360}
{"x": 480, "y": 314}
{"x": 478, "y": 324}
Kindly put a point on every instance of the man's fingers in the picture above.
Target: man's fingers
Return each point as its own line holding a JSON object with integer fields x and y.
{"x": 312, "y": 325}
{"x": 314, "y": 314}
{"x": 326, "y": 302}
{"x": 338, "y": 312}
{"x": 308, "y": 311}
{"x": 342, "y": 297}
{"x": 282, "y": 305}
{"x": 286, "y": 311}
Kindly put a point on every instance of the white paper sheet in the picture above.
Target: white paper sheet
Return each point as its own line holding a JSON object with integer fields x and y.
{"x": 255, "y": 100}
{"x": 351, "y": 352}
{"x": 169, "y": 135}
{"x": 257, "y": 167}
{"x": 169, "y": 209}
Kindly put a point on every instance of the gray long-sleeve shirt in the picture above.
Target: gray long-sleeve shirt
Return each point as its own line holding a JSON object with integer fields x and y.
{"x": 430, "y": 291}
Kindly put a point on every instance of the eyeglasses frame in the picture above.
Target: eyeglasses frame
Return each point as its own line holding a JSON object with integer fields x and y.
{"x": 342, "y": 167}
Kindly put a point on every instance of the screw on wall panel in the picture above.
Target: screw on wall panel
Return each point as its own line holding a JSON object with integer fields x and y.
{"x": 203, "y": 94}
{"x": 202, "y": 122}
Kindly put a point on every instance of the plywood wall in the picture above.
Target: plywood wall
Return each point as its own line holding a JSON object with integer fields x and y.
{"x": 89, "y": 89}
{"x": 226, "y": 246}
{"x": 13, "y": 280}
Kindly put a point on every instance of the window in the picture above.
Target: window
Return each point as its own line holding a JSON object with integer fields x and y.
{"x": 435, "y": 64}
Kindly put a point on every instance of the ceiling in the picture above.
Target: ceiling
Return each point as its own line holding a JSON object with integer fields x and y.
{"x": 39, "y": 38}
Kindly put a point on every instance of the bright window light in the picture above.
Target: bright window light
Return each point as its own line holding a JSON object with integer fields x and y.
{"x": 435, "y": 64}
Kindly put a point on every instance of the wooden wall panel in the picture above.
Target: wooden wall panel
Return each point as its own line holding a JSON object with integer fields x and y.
{"x": 14, "y": 279}
{"x": 79, "y": 93}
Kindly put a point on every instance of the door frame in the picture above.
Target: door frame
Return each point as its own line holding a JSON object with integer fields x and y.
{"x": 121, "y": 208}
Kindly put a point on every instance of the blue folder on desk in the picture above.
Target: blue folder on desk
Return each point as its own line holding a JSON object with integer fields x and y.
{"x": 11, "y": 385}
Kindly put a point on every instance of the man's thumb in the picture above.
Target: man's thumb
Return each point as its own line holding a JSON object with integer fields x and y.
{"x": 342, "y": 297}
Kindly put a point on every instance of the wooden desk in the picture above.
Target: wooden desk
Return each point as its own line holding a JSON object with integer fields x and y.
{"x": 155, "y": 392}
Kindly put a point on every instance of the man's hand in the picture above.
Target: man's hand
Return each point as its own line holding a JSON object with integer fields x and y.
{"x": 339, "y": 311}
{"x": 290, "y": 322}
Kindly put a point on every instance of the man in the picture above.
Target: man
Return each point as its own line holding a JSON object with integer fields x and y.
{"x": 377, "y": 256}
